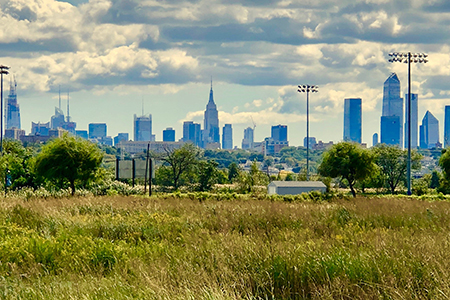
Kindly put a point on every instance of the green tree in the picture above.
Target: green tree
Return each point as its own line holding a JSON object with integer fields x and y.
{"x": 233, "y": 172}
{"x": 348, "y": 161}
{"x": 68, "y": 159}
{"x": 181, "y": 161}
{"x": 248, "y": 180}
{"x": 435, "y": 178}
{"x": 207, "y": 173}
{"x": 392, "y": 162}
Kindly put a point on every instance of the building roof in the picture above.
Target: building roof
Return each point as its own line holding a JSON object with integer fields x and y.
{"x": 297, "y": 184}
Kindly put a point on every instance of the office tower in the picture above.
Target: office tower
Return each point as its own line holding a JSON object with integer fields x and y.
{"x": 14, "y": 133}
{"x": 414, "y": 120}
{"x": 375, "y": 139}
{"x": 143, "y": 128}
{"x": 392, "y": 107}
{"x": 312, "y": 142}
{"x": 57, "y": 120}
{"x": 227, "y": 137}
{"x": 352, "y": 120}
{"x": 390, "y": 130}
{"x": 120, "y": 137}
{"x": 40, "y": 128}
{"x": 12, "y": 113}
{"x": 169, "y": 135}
{"x": 82, "y": 134}
{"x": 279, "y": 133}
{"x": 211, "y": 122}
{"x": 97, "y": 130}
{"x": 429, "y": 131}
{"x": 447, "y": 126}
{"x": 248, "y": 140}
{"x": 192, "y": 133}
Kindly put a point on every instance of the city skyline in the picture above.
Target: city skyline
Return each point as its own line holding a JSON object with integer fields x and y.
{"x": 113, "y": 54}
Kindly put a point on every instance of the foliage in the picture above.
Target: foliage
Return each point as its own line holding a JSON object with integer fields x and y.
{"x": 248, "y": 181}
{"x": 348, "y": 161}
{"x": 435, "y": 179}
{"x": 290, "y": 177}
{"x": 207, "y": 175}
{"x": 393, "y": 163}
{"x": 68, "y": 159}
{"x": 233, "y": 172}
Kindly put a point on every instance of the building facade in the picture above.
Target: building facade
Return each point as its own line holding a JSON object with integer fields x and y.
{"x": 352, "y": 120}
{"x": 12, "y": 109}
{"x": 392, "y": 112}
{"x": 312, "y": 142}
{"x": 279, "y": 133}
{"x": 143, "y": 128}
{"x": 414, "y": 120}
{"x": 429, "y": 131}
{"x": 121, "y": 137}
{"x": 169, "y": 135}
{"x": 227, "y": 137}
{"x": 211, "y": 122}
{"x": 192, "y": 133}
{"x": 248, "y": 140}
{"x": 374, "y": 139}
{"x": 97, "y": 130}
{"x": 447, "y": 126}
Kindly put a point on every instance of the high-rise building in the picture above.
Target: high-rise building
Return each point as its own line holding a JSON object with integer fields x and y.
{"x": 192, "y": 133}
{"x": 390, "y": 130}
{"x": 248, "y": 140}
{"x": 97, "y": 130}
{"x": 40, "y": 128}
{"x": 143, "y": 128}
{"x": 352, "y": 120}
{"x": 392, "y": 107}
{"x": 227, "y": 137}
{"x": 120, "y": 137}
{"x": 414, "y": 120}
{"x": 429, "y": 131}
{"x": 375, "y": 139}
{"x": 82, "y": 134}
{"x": 12, "y": 115}
{"x": 312, "y": 142}
{"x": 447, "y": 126}
{"x": 169, "y": 135}
{"x": 279, "y": 133}
{"x": 57, "y": 120}
{"x": 211, "y": 122}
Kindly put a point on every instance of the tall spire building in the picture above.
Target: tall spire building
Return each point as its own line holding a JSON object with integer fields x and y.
{"x": 392, "y": 116}
{"x": 211, "y": 124}
{"x": 12, "y": 111}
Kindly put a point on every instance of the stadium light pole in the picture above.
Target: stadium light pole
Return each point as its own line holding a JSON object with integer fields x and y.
{"x": 307, "y": 89}
{"x": 3, "y": 70}
{"x": 408, "y": 58}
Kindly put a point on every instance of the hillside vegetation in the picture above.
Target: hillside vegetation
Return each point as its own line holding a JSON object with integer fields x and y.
{"x": 180, "y": 248}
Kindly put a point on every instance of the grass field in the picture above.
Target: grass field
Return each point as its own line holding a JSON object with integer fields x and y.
{"x": 180, "y": 248}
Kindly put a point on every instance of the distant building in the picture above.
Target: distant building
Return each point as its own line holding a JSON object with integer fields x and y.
{"x": 134, "y": 147}
{"x": 447, "y": 126}
{"x": 392, "y": 115}
{"x": 374, "y": 139}
{"x": 12, "y": 109}
{"x": 227, "y": 137}
{"x": 279, "y": 133}
{"x": 414, "y": 120}
{"x": 429, "y": 131}
{"x": 390, "y": 130}
{"x": 211, "y": 122}
{"x": 40, "y": 128}
{"x": 248, "y": 140}
{"x": 352, "y": 120}
{"x": 143, "y": 128}
{"x": 97, "y": 130}
{"x": 57, "y": 120}
{"x": 121, "y": 137}
{"x": 14, "y": 133}
{"x": 192, "y": 133}
{"x": 169, "y": 135}
{"x": 295, "y": 187}
{"x": 82, "y": 134}
{"x": 312, "y": 142}
{"x": 322, "y": 146}
{"x": 272, "y": 147}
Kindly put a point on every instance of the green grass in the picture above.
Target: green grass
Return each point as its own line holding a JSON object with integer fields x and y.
{"x": 244, "y": 248}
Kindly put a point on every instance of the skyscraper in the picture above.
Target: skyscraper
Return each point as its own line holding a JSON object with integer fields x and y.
{"x": 352, "y": 120}
{"x": 414, "y": 120}
{"x": 248, "y": 140}
{"x": 123, "y": 136}
{"x": 429, "y": 131}
{"x": 57, "y": 120}
{"x": 227, "y": 137}
{"x": 192, "y": 133}
{"x": 375, "y": 139}
{"x": 392, "y": 107}
{"x": 12, "y": 107}
{"x": 143, "y": 128}
{"x": 169, "y": 135}
{"x": 447, "y": 126}
{"x": 279, "y": 133}
{"x": 97, "y": 130}
{"x": 211, "y": 122}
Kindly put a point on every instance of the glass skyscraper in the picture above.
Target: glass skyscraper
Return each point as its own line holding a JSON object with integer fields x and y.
{"x": 211, "y": 122}
{"x": 192, "y": 133}
{"x": 392, "y": 107}
{"x": 169, "y": 135}
{"x": 248, "y": 140}
{"x": 227, "y": 137}
{"x": 12, "y": 107}
{"x": 414, "y": 120}
{"x": 429, "y": 131}
{"x": 143, "y": 128}
{"x": 352, "y": 120}
{"x": 279, "y": 133}
{"x": 447, "y": 126}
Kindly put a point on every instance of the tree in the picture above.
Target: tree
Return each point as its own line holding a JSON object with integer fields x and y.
{"x": 233, "y": 172}
{"x": 348, "y": 161}
{"x": 181, "y": 161}
{"x": 248, "y": 180}
{"x": 393, "y": 163}
{"x": 207, "y": 174}
{"x": 68, "y": 159}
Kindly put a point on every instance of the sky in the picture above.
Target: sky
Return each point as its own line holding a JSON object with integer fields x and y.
{"x": 117, "y": 58}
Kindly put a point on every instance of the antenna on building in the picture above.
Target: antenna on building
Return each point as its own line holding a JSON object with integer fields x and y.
{"x": 68, "y": 101}
{"x": 211, "y": 82}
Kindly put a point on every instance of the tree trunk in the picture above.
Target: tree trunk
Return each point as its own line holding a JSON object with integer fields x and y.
{"x": 72, "y": 187}
{"x": 352, "y": 189}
